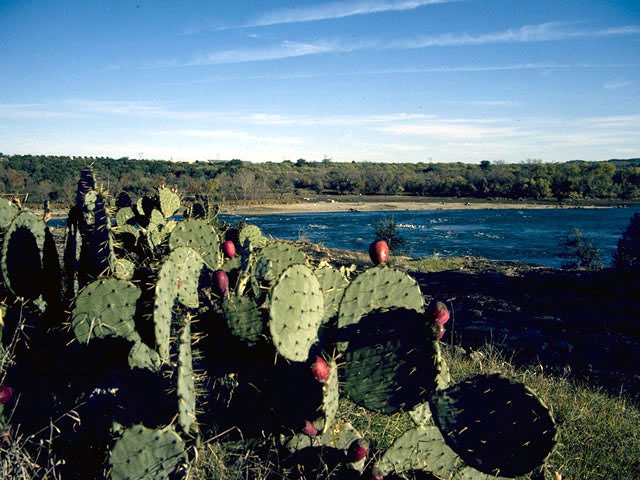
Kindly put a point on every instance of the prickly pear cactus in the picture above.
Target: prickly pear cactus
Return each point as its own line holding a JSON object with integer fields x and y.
{"x": 378, "y": 288}
{"x": 253, "y": 234}
{"x": 330, "y": 398}
{"x": 21, "y": 261}
{"x": 106, "y": 308}
{"x": 169, "y": 202}
{"x": 243, "y": 318}
{"x": 495, "y": 424}
{"x": 296, "y": 312}
{"x": 186, "y": 390}
{"x": 177, "y": 281}
{"x": 201, "y": 237}
{"x": 8, "y": 211}
{"x": 142, "y": 453}
{"x": 333, "y": 284}
{"x": 391, "y": 363}
{"x": 422, "y": 448}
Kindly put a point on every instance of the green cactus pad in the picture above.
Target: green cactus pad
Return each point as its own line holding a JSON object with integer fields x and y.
{"x": 422, "y": 448}
{"x": 391, "y": 363}
{"x": 186, "y": 390}
{"x": 243, "y": 318}
{"x": 106, "y": 308}
{"x": 177, "y": 280}
{"x": 21, "y": 261}
{"x": 8, "y": 211}
{"x": 146, "y": 454}
{"x": 200, "y": 236}
{"x": 253, "y": 234}
{"x": 378, "y": 288}
{"x": 330, "y": 398}
{"x": 125, "y": 216}
{"x": 156, "y": 218}
{"x": 333, "y": 284}
{"x": 282, "y": 255}
{"x": 496, "y": 425}
{"x": 101, "y": 258}
{"x": 141, "y": 356}
{"x": 124, "y": 269}
{"x": 296, "y": 312}
{"x": 169, "y": 202}
{"x": 421, "y": 414}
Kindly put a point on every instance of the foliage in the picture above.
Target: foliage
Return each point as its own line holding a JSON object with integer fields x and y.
{"x": 627, "y": 255}
{"x": 581, "y": 252}
{"x": 51, "y": 177}
{"x": 386, "y": 229}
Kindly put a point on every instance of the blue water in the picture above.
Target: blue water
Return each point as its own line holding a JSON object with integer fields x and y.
{"x": 531, "y": 236}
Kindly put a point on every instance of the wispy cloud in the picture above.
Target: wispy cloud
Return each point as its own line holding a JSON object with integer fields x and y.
{"x": 328, "y": 11}
{"x": 617, "y": 84}
{"x": 544, "y": 32}
{"x": 286, "y": 49}
{"x": 32, "y": 111}
{"x": 550, "y": 31}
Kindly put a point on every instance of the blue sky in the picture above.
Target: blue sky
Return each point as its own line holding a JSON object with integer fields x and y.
{"x": 363, "y": 80}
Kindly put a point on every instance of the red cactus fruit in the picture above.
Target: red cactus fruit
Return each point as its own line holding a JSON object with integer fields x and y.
{"x": 320, "y": 370}
{"x": 5, "y": 394}
{"x": 358, "y": 450}
{"x": 310, "y": 429}
{"x": 221, "y": 283}
{"x": 379, "y": 252}
{"x": 438, "y": 313}
{"x": 229, "y": 249}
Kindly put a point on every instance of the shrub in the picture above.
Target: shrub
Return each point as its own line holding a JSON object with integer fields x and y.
{"x": 385, "y": 229}
{"x": 627, "y": 255}
{"x": 581, "y": 252}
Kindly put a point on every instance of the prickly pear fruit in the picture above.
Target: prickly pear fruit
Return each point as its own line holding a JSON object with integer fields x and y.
{"x": 5, "y": 394}
{"x": 221, "y": 283}
{"x": 310, "y": 429}
{"x": 379, "y": 252}
{"x": 438, "y": 313}
{"x": 229, "y": 249}
{"x": 320, "y": 370}
{"x": 358, "y": 450}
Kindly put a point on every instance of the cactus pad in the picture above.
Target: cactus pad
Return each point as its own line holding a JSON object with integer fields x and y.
{"x": 177, "y": 280}
{"x": 391, "y": 363}
{"x": 378, "y": 288}
{"x": 495, "y": 424}
{"x": 333, "y": 283}
{"x": 146, "y": 454}
{"x": 200, "y": 236}
{"x": 243, "y": 318}
{"x": 253, "y": 234}
{"x": 8, "y": 211}
{"x": 296, "y": 312}
{"x": 21, "y": 261}
{"x": 169, "y": 202}
{"x": 330, "y": 398}
{"x": 141, "y": 356}
{"x": 422, "y": 448}
{"x": 185, "y": 383}
{"x": 105, "y": 308}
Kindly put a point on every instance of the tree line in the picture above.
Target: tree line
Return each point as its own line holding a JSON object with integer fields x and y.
{"x": 54, "y": 178}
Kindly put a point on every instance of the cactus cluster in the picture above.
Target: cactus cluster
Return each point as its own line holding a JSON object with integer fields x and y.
{"x": 179, "y": 326}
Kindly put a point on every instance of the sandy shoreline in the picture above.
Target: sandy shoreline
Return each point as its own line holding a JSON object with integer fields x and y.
{"x": 350, "y": 206}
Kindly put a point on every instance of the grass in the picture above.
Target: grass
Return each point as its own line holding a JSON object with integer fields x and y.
{"x": 433, "y": 264}
{"x": 599, "y": 433}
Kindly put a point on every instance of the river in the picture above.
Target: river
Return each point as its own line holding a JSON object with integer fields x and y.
{"x": 527, "y": 235}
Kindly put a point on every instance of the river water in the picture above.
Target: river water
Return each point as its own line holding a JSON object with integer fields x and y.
{"x": 527, "y": 235}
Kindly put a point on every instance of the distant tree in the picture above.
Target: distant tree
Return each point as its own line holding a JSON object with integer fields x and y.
{"x": 581, "y": 252}
{"x": 385, "y": 229}
{"x": 627, "y": 255}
